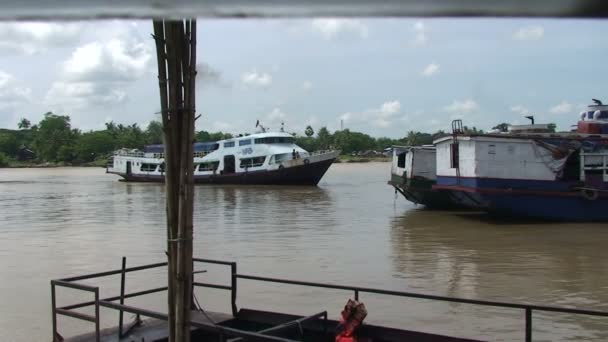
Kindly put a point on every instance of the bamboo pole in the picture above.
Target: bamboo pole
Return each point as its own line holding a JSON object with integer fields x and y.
{"x": 176, "y": 53}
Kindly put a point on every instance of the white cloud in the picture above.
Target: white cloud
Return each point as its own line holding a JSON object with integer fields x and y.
{"x": 33, "y": 37}
{"x": 276, "y": 114}
{"x": 307, "y": 85}
{"x": 430, "y": 69}
{"x": 521, "y": 110}
{"x": 461, "y": 107}
{"x": 562, "y": 108}
{"x": 390, "y": 107}
{"x": 330, "y": 28}
{"x": 256, "y": 79}
{"x": 97, "y": 73}
{"x": 63, "y": 96}
{"x": 379, "y": 117}
{"x": 114, "y": 60}
{"x": 529, "y": 33}
{"x": 346, "y": 116}
{"x": 12, "y": 93}
{"x": 210, "y": 76}
{"x": 420, "y": 33}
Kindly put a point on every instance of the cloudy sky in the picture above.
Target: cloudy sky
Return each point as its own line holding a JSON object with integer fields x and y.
{"x": 381, "y": 76}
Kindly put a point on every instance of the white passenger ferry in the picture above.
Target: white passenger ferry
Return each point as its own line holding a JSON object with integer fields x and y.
{"x": 261, "y": 158}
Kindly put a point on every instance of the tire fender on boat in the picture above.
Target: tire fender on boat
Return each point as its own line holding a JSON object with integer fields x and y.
{"x": 306, "y": 161}
{"x": 281, "y": 167}
{"x": 589, "y": 194}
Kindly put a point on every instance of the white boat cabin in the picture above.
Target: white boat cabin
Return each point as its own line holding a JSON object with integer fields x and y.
{"x": 414, "y": 161}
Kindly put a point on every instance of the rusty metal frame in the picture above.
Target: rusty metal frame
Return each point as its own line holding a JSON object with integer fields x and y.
{"x": 109, "y": 302}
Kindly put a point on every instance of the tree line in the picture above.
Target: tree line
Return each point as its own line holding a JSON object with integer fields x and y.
{"x": 54, "y": 140}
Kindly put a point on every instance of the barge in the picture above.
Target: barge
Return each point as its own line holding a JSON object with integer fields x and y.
{"x": 531, "y": 171}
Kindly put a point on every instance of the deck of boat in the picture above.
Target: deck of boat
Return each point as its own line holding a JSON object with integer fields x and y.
{"x": 149, "y": 329}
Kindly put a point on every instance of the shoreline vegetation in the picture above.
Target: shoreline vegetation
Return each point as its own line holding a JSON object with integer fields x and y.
{"x": 102, "y": 163}
{"x": 53, "y": 142}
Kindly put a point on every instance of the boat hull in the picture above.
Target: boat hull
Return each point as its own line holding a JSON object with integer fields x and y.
{"x": 546, "y": 204}
{"x": 420, "y": 191}
{"x": 303, "y": 174}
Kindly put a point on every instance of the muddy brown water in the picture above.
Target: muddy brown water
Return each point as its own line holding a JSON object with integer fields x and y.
{"x": 350, "y": 229}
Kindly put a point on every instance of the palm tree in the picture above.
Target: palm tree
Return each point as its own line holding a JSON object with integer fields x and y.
{"x": 24, "y": 123}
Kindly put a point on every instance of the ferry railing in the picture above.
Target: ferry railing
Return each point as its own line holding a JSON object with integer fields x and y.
{"x": 109, "y": 302}
{"x": 601, "y": 167}
{"x": 528, "y": 308}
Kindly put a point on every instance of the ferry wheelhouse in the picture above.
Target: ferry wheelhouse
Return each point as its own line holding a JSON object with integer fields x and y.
{"x": 530, "y": 171}
{"x": 261, "y": 158}
{"x": 413, "y": 174}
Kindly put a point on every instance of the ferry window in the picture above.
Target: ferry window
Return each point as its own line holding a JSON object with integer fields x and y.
{"x": 209, "y": 166}
{"x": 244, "y": 142}
{"x": 275, "y": 140}
{"x": 280, "y": 157}
{"x": 148, "y": 167}
{"x": 229, "y": 144}
{"x": 401, "y": 160}
{"x": 252, "y": 162}
{"x": 454, "y": 156}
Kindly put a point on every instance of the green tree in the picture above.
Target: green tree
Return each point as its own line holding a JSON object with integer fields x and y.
{"x": 24, "y": 123}
{"x": 54, "y": 133}
{"x": 382, "y": 143}
{"x": 93, "y": 145}
{"x": 502, "y": 127}
{"x": 324, "y": 139}
{"x": 552, "y": 127}
{"x": 3, "y": 160}
{"x": 309, "y": 131}
{"x": 8, "y": 144}
{"x": 154, "y": 132}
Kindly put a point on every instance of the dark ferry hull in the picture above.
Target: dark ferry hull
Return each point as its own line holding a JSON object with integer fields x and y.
{"x": 550, "y": 201}
{"x": 420, "y": 191}
{"x": 304, "y": 174}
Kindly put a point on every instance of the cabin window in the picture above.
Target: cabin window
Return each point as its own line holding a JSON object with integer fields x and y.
{"x": 401, "y": 160}
{"x": 244, "y": 142}
{"x": 454, "y": 156}
{"x": 229, "y": 144}
{"x": 280, "y": 157}
{"x": 148, "y": 167}
{"x": 209, "y": 166}
{"x": 252, "y": 162}
{"x": 275, "y": 140}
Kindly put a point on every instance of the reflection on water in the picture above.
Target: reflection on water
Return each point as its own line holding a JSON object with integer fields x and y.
{"x": 350, "y": 229}
{"x": 475, "y": 255}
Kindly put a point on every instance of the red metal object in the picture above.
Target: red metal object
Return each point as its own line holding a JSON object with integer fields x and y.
{"x": 351, "y": 317}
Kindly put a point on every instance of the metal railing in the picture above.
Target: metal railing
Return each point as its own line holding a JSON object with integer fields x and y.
{"x": 109, "y": 302}
{"x": 586, "y": 166}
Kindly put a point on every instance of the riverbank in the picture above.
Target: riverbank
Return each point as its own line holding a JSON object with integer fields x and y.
{"x": 33, "y": 165}
{"x": 358, "y": 159}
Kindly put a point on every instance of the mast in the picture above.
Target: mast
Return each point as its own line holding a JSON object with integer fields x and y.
{"x": 176, "y": 55}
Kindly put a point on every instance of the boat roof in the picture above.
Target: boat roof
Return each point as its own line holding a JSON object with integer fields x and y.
{"x": 560, "y": 135}
{"x": 213, "y": 145}
{"x": 419, "y": 147}
{"x": 259, "y": 135}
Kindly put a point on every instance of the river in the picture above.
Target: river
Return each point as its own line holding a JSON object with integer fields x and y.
{"x": 350, "y": 229}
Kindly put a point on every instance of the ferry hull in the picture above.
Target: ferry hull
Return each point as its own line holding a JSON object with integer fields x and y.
{"x": 420, "y": 191}
{"x": 305, "y": 174}
{"x": 545, "y": 204}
